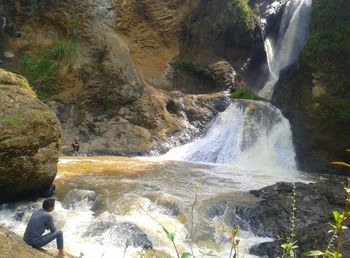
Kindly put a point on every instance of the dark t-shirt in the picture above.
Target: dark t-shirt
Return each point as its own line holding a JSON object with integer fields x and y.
{"x": 38, "y": 223}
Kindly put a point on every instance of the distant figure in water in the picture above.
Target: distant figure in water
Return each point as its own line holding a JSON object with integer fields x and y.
{"x": 75, "y": 145}
{"x": 38, "y": 223}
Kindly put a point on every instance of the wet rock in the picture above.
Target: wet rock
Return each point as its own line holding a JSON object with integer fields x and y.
{"x": 217, "y": 210}
{"x": 168, "y": 202}
{"x": 119, "y": 232}
{"x": 79, "y": 198}
{"x": 134, "y": 234}
{"x": 12, "y": 245}
{"x": 29, "y": 140}
{"x": 315, "y": 204}
{"x": 269, "y": 249}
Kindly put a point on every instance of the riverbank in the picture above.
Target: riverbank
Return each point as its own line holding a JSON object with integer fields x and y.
{"x": 12, "y": 246}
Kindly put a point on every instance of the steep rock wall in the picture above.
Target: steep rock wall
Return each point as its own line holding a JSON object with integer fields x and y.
{"x": 314, "y": 94}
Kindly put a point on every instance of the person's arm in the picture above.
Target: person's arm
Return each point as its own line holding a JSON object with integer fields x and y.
{"x": 50, "y": 225}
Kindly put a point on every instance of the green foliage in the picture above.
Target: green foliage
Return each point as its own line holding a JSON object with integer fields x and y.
{"x": 33, "y": 7}
{"x": 42, "y": 67}
{"x": 192, "y": 68}
{"x": 237, "y": 14}
{"x": 340, "y": 107}
{"x": 62, "y": 51}
{"x": 108, "y": 101}
{"x": 42, "y": 95}
{"x": 38, "y": 69}
{"x": 245, "y": 93}
{"x": 327, "y": 51}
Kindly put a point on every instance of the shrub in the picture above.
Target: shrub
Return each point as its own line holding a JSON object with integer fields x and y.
{"x": 245, "y": 93}
{"x": 236, "y": 14}
{"x": 42, "y": 67}
{"x": 327, "y": 50}
{"x": 192, "y": 68}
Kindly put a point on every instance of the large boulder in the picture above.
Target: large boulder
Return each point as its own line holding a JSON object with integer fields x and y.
{"x": 30, "y": 137}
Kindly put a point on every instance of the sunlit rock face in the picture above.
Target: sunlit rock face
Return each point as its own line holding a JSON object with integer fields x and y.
{"x": 29, "y": 140}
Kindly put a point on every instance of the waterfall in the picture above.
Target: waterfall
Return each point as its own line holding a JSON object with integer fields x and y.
{"x": 293, "y": 32}
{"x": 249, "y": 134}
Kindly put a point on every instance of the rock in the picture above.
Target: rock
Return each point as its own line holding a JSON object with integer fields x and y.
{"x": 29, "y": 140}
{"x": 315, "y": 205}
{"x": 314, "y": 95}
{"x": 168, "y": 202}
{"x": 119, "y": 232}
{"x": 12, "y": 246}
{"x": 9, "y": 54}
{"x": 225, "y": 76}
{"x": 79, "y": 198}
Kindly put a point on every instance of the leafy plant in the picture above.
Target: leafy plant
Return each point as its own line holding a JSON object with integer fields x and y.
{"x": 237, "y": 14}
{"x": 234, "y": 240}
{"x": 290, "y": 245}
{"x": 42, "y": 67}
{"x": 192, "y": 68}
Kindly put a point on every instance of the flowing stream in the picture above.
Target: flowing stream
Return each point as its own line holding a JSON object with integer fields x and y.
{"x": 294, "y": 29}
{"x": 103, "y": 203}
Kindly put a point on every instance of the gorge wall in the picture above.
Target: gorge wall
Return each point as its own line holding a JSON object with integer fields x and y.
{"x": 124, "y": 76}
{"x": 314, "y": 93}
{"x": 115, "y": 71}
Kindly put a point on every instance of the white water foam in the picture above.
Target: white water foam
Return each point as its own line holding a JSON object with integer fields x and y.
{"x": 249, "y": 134}
{"x": 95, "y": 236}
{"x": 293, "y": 32}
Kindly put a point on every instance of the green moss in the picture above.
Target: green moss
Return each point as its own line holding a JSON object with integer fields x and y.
{"x": 237, "y": 14}
{"x": 245, "y": 93}
{"x": 13, "y": 120}
{"x": 192, "y": 68}
{"x": 339, "y": 108}
{"x": 108, "y": 101}
{"x": 327, "y": 51}
{"x": 18, "y": 119}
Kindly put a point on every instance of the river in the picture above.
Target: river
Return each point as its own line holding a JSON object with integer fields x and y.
{"x": 103, "y": 201}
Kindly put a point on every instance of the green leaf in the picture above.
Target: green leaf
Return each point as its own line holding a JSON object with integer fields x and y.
{"x": 186, "y": 255}
{"x": 171, "y": 236}
{"x": 314, "y": 253}
{"x": 336, "y": 215}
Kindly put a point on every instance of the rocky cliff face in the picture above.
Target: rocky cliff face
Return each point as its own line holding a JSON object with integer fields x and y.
{"x": 314, "y": 94}
{"x": 30, "y": 137}
{"x": 109, "y": 71}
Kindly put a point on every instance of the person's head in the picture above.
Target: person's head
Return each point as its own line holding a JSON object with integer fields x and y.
{"x": 49, "y": 204}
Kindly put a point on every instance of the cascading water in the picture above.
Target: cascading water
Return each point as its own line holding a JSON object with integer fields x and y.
{"x": 293, "y": 32}
{"x": 248, "y": 134}
{"x": 249, "y": 146}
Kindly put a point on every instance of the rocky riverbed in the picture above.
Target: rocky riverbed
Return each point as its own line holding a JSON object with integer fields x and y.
{"x": 315, "y": 203}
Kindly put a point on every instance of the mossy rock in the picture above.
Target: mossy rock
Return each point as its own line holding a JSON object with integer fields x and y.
{"x": 30, "y": 137}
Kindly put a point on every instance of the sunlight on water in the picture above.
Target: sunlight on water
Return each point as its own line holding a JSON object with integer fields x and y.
{"x": 97, "y": 195}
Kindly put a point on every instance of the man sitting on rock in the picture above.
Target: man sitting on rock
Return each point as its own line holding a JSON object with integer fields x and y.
{"x": 38, "y": 223}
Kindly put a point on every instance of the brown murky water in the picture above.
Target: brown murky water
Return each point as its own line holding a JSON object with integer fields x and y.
{"x": 98, "y": 194}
